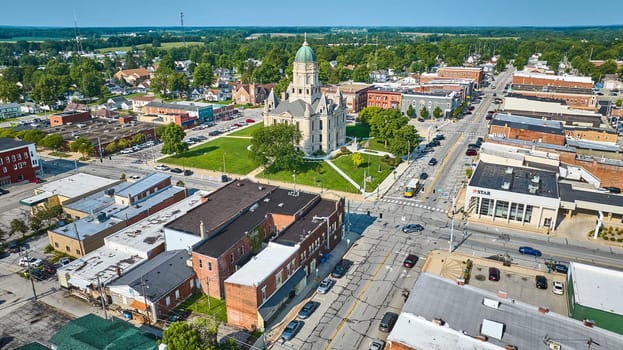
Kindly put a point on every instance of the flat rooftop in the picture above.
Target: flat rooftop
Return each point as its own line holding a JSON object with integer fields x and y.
{"x": 569, "y": 78}
{"x": 129, "y": 247}
{"x": 310, "y": 221}
{"x": 75, "y": 185}
{"x": 528, "y": 123}
{"x": 280, "y": 201}
{"x": 598, "y": 288}
{"x": 114, "y": 214}
{"x": 519, "y": 179}
{"x": 220, "y": 206}
{"x": 263, "y": 264}
{"x": 142, "y": 185}
{"x": 524, "y": 326}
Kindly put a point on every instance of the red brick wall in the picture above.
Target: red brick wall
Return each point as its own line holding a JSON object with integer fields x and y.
{"x": 207, "y": 270}
{"x": 242, "y": 304}
{"x": 185, "y": 291}
{"x": 578, "y": 101}
{"x": 461, "y": 73}
{"x": 384, "y": 99}
{"x": 526, "y": 135}
{"x": 56, "y": 120}
{"x": 16, "y": 165}
{"x": 591, "y": 135}
{"x": 550, "y": 82}
{"x": 609, "y": 175}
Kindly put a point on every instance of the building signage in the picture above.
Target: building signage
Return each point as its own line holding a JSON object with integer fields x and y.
{"x": 483, "y": 192}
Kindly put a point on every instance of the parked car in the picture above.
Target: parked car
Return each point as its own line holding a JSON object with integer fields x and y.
{"x": 341, "y": 268}
{"x": 471, "y": 152}
{"x": 64, "y": 261}
{"x": 39, "y": 275}
{"x": 494, "y": 274}
{"x": 214, "y": 133}
{"x": 134, "y": 177}
{"x": 177, "y": 170}
{"x": 188, "y": 172}
{"x": 3, "y": 191}
{"x": 613, "y": 189}
{"x": 439, "y": 137}
{"x": 308, "y": 309}
{"x": 292, "y": 329}
{"x": 529, "y": 251}
{"x": 561, "y": 268}
{"x": 473, "y": 146}
{"x": 388, "y": 322}
{"x": 377, "y": 344}
{"x": 29, "y": 261}
{"x": 13, "y": 246}
{"x": 558, "y": 288}
{"x": 325, "y": 285}
{"x": 249, "y": 121}
{"x": 409, "y": 228}
{"x": 423, "y": 176}
{"x": 161, "y": 167}
{"x": 410, "y": 261}
{"x": 541, "y": 282}
{"x": 432, "y": 162}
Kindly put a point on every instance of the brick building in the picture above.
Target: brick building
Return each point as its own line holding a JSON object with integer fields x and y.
{"x": 19, "y": 161}
{"x": 476, "y": 74}
{"x": 527, "y": 129}
{"x": 138, "y": 102}
{"x": 101, "y": 214}
{"x": 575, "y": 91}
{"x": 256, "y": 291}
{"x": 133, "y": 76}
{"x": 384, "y": 98}
{"x": 591, "y": 134}
{"x": 251, "y": 94}
{"x": 69, "y": 117}
{"x": 201, "y": 112}
{"x": 355, "y": 95}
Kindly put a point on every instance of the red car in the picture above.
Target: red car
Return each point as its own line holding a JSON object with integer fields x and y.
{"x": 250, "y": 121}
{"x": 471, "y": 152}
{"x": 494, "y": 274}
{"x": 410, "y": 261}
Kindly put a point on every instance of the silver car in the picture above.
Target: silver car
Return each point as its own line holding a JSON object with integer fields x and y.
{"x": 325, "y": 285}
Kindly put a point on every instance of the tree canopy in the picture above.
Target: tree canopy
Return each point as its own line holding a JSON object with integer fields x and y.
{"x": 275, "y": 147}
{"x": 172, "y": 138}
{"x": 391, "y": 127}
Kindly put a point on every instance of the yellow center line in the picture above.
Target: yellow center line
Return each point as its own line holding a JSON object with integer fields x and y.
{"x": 352, "y": 308}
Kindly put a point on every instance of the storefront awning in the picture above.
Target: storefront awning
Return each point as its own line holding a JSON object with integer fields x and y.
{"x": 272, "y": 304}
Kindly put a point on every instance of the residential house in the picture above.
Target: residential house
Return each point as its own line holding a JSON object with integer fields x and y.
{"x": 133, "y": 77}
{"x": 251, "y": 94}
{"x": 118, "y": 102}
{"x": 10, "y": 110}
{"x": 138, "y": 102}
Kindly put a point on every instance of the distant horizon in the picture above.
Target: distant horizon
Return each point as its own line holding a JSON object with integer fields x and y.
{"x": 320, "y": 13}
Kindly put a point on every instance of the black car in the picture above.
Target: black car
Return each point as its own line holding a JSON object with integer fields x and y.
{"x": 541, "y": 282}
{"x": 423, "y": 176}
{"x": 214, "y": 133}
{"x": 3, "y": 191}
{"x": 439, "y": 137}
{"x": 561, "y": 268}
{"x": 613, "y": 189}
{"x": 432, "y": 162}
{"x": 177, "y": 170}
{"x": 188, "y": 172}
{"x": 341, "y": 268}
{"x": 308, "y": 309}
{"x": 13, "y": 246}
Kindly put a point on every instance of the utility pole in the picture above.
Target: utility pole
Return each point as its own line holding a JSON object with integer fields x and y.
{"x": 145, "y": 299}
{"x": 32, "y": 282}
{"x": 452, "y": 225}
{"x": 101, "y": 289}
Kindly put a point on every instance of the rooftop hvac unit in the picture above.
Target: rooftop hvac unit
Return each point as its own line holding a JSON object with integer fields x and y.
{"x": 532, "y": 188}
{"x": 506, "y": 186}
{"x": 536, "y": 179}
{"x": 509, "y": 170}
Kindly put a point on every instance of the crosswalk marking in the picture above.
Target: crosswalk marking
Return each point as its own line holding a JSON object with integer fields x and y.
{"x": 413, "y": 204}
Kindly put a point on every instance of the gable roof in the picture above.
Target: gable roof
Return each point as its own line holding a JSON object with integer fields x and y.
{"x": 93, "y": 332}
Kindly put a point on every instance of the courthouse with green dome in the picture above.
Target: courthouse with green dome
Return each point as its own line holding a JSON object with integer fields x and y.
{"x": 322, "y": 121}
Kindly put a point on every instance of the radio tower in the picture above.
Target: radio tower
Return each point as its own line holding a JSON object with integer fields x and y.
{"x": 77, "y": 34}
{"x": 182, "y": 24}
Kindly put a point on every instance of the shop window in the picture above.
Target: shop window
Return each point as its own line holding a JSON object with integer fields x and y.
{"x": 486, "y": 207}
{"x": 501, "y": 209}
{"x": 528, "y": 216}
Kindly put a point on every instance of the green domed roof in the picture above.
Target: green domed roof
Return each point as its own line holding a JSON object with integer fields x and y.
{"x": 305, "y": 54}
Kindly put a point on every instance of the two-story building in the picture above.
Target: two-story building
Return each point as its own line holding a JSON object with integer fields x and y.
{"x": 384, "y": 98}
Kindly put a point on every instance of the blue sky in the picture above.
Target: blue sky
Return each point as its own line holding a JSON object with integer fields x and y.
{"x": 118, "y": 13}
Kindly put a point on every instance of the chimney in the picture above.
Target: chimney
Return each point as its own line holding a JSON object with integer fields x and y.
{"x": 202, "y": 230}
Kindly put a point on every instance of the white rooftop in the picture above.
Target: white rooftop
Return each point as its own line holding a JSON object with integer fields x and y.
{"x": 572, "y": 78}
{"x": 597, "y": 287}
{"x": 263, "y": 264}
{"x": 524, "y": 104}
{"x": 419, "y": 333}
{"x": 72, "y": 186}
{"x": 129, "y": 247}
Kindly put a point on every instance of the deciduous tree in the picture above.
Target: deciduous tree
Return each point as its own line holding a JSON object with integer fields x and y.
{"x": 172, "y": 139}
{"x": 275, "y": 147}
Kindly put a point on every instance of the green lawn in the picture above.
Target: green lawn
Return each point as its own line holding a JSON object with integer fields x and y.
{"x": 199, "y": 303}
{"x": 210, "y": 156}
{"x": 358, "y": 130}
{"x": 370, "y": 165}
{"x": 322, "y": 177}
{"x": 374, "y": 145}
{"x": 248, "y": 130}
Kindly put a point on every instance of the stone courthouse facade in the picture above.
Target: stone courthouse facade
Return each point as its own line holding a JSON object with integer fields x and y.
{"x": 321, "y": 120}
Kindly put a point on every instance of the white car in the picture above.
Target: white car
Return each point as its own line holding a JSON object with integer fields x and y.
{"x": 558, "y": 288}
{"x": 135, "y": 177}
{"x": 29, "y": 260}
{"x": 161, "y": 167}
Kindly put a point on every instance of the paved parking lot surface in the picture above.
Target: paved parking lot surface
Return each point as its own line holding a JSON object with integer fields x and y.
{"x": 30, "y": 322}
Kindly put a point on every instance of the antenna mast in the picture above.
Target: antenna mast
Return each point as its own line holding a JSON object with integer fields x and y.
{"x": 182, "y": 24}
{"x": 77, "y": 34}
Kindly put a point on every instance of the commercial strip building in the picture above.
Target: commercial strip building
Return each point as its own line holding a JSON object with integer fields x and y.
{"x": 72, "y": 187}
{"x": 575, "y": 91}
{"x": 124, "y": 250}
{"x": 540, "y": 108}
{"x": 194, "y": 112}
{"x": 447, "y": 101}
{"x": 101, "y": 214}
{"x": 467, "y": 312}
{"x": 19, "y": 161}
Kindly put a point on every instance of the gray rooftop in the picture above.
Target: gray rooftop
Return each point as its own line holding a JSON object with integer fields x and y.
{"x": 569, "y": 194}
{"x": 9, "y": 143}
{"x": 143, "y": 184}
{"x": 493, "y": 176}
{"x": 161, "y": 274}
{"x": 182, "y": 107}
{"x": 461, "y": 307}
{"x": 596, "y": 146}
{"x": 528, "y": 123}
